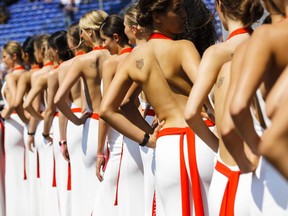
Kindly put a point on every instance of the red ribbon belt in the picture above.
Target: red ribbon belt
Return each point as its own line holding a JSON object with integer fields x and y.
{"x": 196, "y": 189}
{"x": 228, "y": 201}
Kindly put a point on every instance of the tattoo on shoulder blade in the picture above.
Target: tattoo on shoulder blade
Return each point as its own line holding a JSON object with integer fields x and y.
{"x": 139, "y": 63}
{"x": 220, "y": 81}
{"x": 93, "y": 65}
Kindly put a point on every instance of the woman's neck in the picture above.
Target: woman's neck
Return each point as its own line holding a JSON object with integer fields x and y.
{"x": 233, "y": 25}
{"x": 161, "y": 31}
{"x": 140, "y": 41}
{"x": 97, "y": 43}
{"x": 276, "y": 18}
{"x": 122, "y": 48}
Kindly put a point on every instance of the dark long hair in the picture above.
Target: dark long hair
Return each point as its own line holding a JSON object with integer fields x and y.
{"x": 200, "y": 21}
{"x": 114, "y": 24}
{"x": 28, "y": 47}
{"x": 200, "y": 28}
{"x": 58, "y": 40}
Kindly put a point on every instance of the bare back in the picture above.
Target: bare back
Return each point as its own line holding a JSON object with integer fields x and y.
{"x": 164, "y": 69}
{"x": 75, "y": 93}
{"x": 89, "y": 67}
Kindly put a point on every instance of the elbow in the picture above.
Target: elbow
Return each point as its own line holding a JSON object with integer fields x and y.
{"x": 26, "y": 106}
{"x": 271, "y": 109}
{"x": 57, "y": 100}
{"x": 226, "y": 131}
{"x": 48, "y": 112}
{"x": 125, "y": 102}
{"x": 190, "y": 115}
{"x": 237, "y": 110}
{"x": 105, "y": 112}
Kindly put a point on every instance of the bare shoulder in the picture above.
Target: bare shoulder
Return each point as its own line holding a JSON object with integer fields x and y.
{"x": 11, "y": 77}
{"x": 111, "y": 60}
{"x": 263, "y": 33}
{"x": 223, "y": 76}
{"x": 185, "y": 45}
{"x": 64, "y": 65}
{"x": 216, "y": 51}
{"x": 53, "y": 73}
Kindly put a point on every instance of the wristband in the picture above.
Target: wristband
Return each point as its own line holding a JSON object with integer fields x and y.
{"x": 101, "y": 155}
{"x": 45, "y": 135}
{"x": 145, "y": 140}
{"x": 62, "y": 142}
{"x": 31, "y": 133}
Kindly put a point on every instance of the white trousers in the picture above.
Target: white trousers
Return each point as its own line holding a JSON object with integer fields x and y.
{"x": 16, "y": 188}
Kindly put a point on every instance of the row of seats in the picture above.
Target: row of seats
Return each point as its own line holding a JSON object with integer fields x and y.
{"x": 39, "y": 17}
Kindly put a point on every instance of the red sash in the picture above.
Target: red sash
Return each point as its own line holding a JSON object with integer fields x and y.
{"x": 228, "y": 201}
{"x": 95, "y": 116}
{"x": 118, "y": 175}
{"x": 196, "y": 188}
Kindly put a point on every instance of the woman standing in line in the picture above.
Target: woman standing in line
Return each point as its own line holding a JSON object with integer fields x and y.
{"x": 23, "y": 87}
{"x": 262, "y": 64}
{"x": 122, "y": 190}
{"x": 165, "y": 70}
{"x": 237, "y": 17}
{"x": 69, "y": 184}
{"x": 16, "y": 189}
{"x": 89, "y": 68}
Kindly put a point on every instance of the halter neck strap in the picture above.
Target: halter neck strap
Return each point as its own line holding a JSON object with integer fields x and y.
{"x": 126, "y": 50}
{"x": 80, "y": 53}
{"x": 240, "y": 31}
{"x": 48, "y": 64}
{"x": 157, "y": 35}
{"x": 21, "y": 67}
{"x": 99, "y": 48}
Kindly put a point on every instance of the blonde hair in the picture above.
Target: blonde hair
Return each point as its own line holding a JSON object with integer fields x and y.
{"x": 93, "y": 20}
{"x": 13, "y": 47}
{"x": 131, "y": 15}
{"x": 41, "y": 43}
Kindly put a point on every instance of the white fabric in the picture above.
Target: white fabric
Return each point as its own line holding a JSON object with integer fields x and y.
{"x": 269, "y": 191}
{"x": 74, "y": 141}
{"x": 16, "y": 189}
{"x": 217, "y": 189}
{"x": 105, "y": 200}
{"x": 131, "y": 182}
{"x": 167, "y": 173}
{"x": 89, "y": 153}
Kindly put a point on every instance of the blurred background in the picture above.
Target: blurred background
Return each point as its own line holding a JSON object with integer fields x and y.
{"x": 22, "y": 18}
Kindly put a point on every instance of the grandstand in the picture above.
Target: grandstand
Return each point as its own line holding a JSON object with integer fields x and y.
{"x": 38, "y": 17}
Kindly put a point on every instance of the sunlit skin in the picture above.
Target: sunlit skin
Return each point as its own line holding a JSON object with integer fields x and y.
{"x": 110, "y": 66}
{"x": 274, "y": 142}
{"x": 211, "y": 77}
{"x": 84, "y": 67}
{"x": 76, "y": 94}
{"x": 11, "y": 79}
{"x": 264, "y": 71}
{"x": 172, "y": 90}
{"x": 23, "y": 87}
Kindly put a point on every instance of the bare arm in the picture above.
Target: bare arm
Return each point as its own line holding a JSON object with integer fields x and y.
{"x": 11, "y": 86}
{"x": 243, "y": 156}
{"x": 22, "y": 87}
{"x": 278, "y": 94}
{"x": 50, "y": 109}
{"x": 74, "y": 73}
{"x": 109, "y": 109}
{"x": 39, "y": 84}
{"x": 274, "y": 143}
{"x": 131, "y": 110}
{"x": 256, "y": 63}
{"x": 206, "y": 77}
